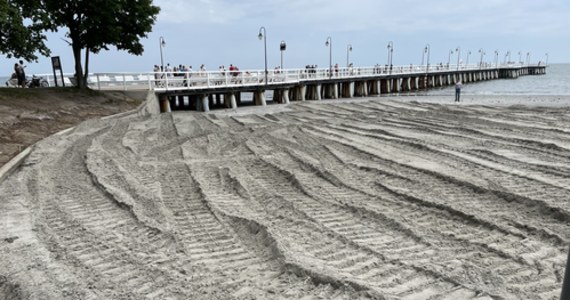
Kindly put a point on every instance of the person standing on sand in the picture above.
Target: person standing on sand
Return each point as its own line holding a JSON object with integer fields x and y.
{"x": 458, "y": 90}
{"x": 20, "y": 75}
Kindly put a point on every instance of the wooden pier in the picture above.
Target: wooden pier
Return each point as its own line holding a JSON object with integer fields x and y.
{"x": 203, "y": 91}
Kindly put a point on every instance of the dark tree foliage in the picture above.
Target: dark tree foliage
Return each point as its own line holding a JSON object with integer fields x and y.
{"x": 95, "y": 25}
{"x": 18, "y": 38}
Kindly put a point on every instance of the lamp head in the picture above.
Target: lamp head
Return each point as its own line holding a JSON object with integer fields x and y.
{"x": 327, "y": 43}
{"x": 260, "y": 36}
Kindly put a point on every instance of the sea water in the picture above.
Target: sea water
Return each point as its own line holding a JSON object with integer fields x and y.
{"x": 556, "y": 82}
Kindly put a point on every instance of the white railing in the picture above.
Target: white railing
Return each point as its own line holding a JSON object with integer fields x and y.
{"x": 162, "y": 81}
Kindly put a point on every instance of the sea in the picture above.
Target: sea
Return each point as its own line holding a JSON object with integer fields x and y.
{"x": 556, "y": 82}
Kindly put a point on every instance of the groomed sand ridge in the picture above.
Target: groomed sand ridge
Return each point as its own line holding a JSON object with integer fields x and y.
{"x": 345, "y": 200}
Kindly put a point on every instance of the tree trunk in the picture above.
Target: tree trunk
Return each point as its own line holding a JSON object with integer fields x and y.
{"x": 78, "y": 69}
{"x": 86, "y": 68}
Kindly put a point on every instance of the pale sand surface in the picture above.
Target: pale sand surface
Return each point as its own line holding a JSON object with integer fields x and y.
{"x": 386, "y": 198}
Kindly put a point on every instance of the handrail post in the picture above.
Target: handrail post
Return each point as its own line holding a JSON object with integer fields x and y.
{"x": 166, "y": 80}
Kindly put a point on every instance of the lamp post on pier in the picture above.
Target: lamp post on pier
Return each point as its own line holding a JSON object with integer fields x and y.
{"x": 449, "y": 58}
{"x": 263, "y": 35}
{"x": 482, "y": 52}
{"x": 427, "y": 50}
{"x": 458, "y": 50}
{"x": 528, "y": 58}
{"x": 328, "y": 43}
{"x": 348, "y": 50}
{"x": 496, "y": 58}
{"x": 467, "y": 58}
{"x": 162, "y": 44}
{"x": 390, "y": 54}
{"x": 282, "y": 48}
{"x": 507, "y": 55}
{"x": 520, "y": 58}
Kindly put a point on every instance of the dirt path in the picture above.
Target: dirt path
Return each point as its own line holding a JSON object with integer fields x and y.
{"x": 347, "y": 200}
{"x": 29, "y": 115}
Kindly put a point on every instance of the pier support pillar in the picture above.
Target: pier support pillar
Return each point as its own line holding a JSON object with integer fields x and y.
{"x": 233, "y": 101}
{"x": 375, "y": 87}
{"x": 285, "y": 96}
{"x": 259, "y": 98}
{"x": 298, "y": 93}
{"x": 347, "y": 90}
{"x": 205, "y": 103}
{"x": 281, "y": 96}
{"x": 314, "y": 92}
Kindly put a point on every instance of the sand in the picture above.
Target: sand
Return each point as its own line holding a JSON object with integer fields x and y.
{"x": 29, "y": 115}
{"x": 381, "y": 198}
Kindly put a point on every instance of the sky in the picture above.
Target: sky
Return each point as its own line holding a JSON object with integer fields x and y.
{"x": 224, "y": 32}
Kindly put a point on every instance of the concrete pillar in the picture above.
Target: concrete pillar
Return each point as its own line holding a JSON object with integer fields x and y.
{"x": 233, "y": 101}
{"x": 285, "y": 95}
{"x": 397, "y": 85}
{"x": 205, "y": 103}
{"x": 375, "y": 87}
{"x": 384, "y": 86}
{"x": 350, "y": 89}
{"x": 259, "y": 98}
{"x": 334, "y": 90}
{"x": 211, "y": 98}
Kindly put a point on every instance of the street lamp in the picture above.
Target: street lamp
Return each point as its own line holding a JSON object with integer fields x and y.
{"x": 496, "y": 58}
{"x": 263, "y": 35}
{"x": 348, "y": 50}
{"x": 162, "y": 44}
{"x": 328, "y": 43}
{"x": 482, "y": 52}
{"x": 427, "y": 49}
{"x": 467, "y": 58}
{"x": 507, "y": 55}
{"x": 449, "y": 58}
{"x": 458, "y": 49}
{"x": 528, "y": 58}
{"x": 520, "y": 57}
{"x": 390, "y": 54}
{"x": 282, "y": 48}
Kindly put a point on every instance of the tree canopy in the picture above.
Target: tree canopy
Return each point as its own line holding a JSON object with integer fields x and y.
{"x": 19, "y": 39}
{"x": 93, "y": 25}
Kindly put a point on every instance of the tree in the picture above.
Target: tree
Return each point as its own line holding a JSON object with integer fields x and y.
{"x": 94, "y": 25}
{"x": 18, "y": 39}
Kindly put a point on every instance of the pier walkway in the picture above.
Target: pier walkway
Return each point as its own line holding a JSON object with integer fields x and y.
{"x": 230, "y": 89}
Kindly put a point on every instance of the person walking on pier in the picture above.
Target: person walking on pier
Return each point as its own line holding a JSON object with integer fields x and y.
{"x": 458, "y": 86}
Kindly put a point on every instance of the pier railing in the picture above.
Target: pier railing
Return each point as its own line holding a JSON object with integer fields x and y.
{"x": 196, "y": 80}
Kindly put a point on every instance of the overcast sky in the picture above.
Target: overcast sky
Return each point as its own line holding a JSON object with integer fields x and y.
{"x": 223, "y": 32}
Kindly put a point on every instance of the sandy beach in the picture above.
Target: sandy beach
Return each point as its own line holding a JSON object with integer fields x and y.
{"x": 378, "y": 198}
